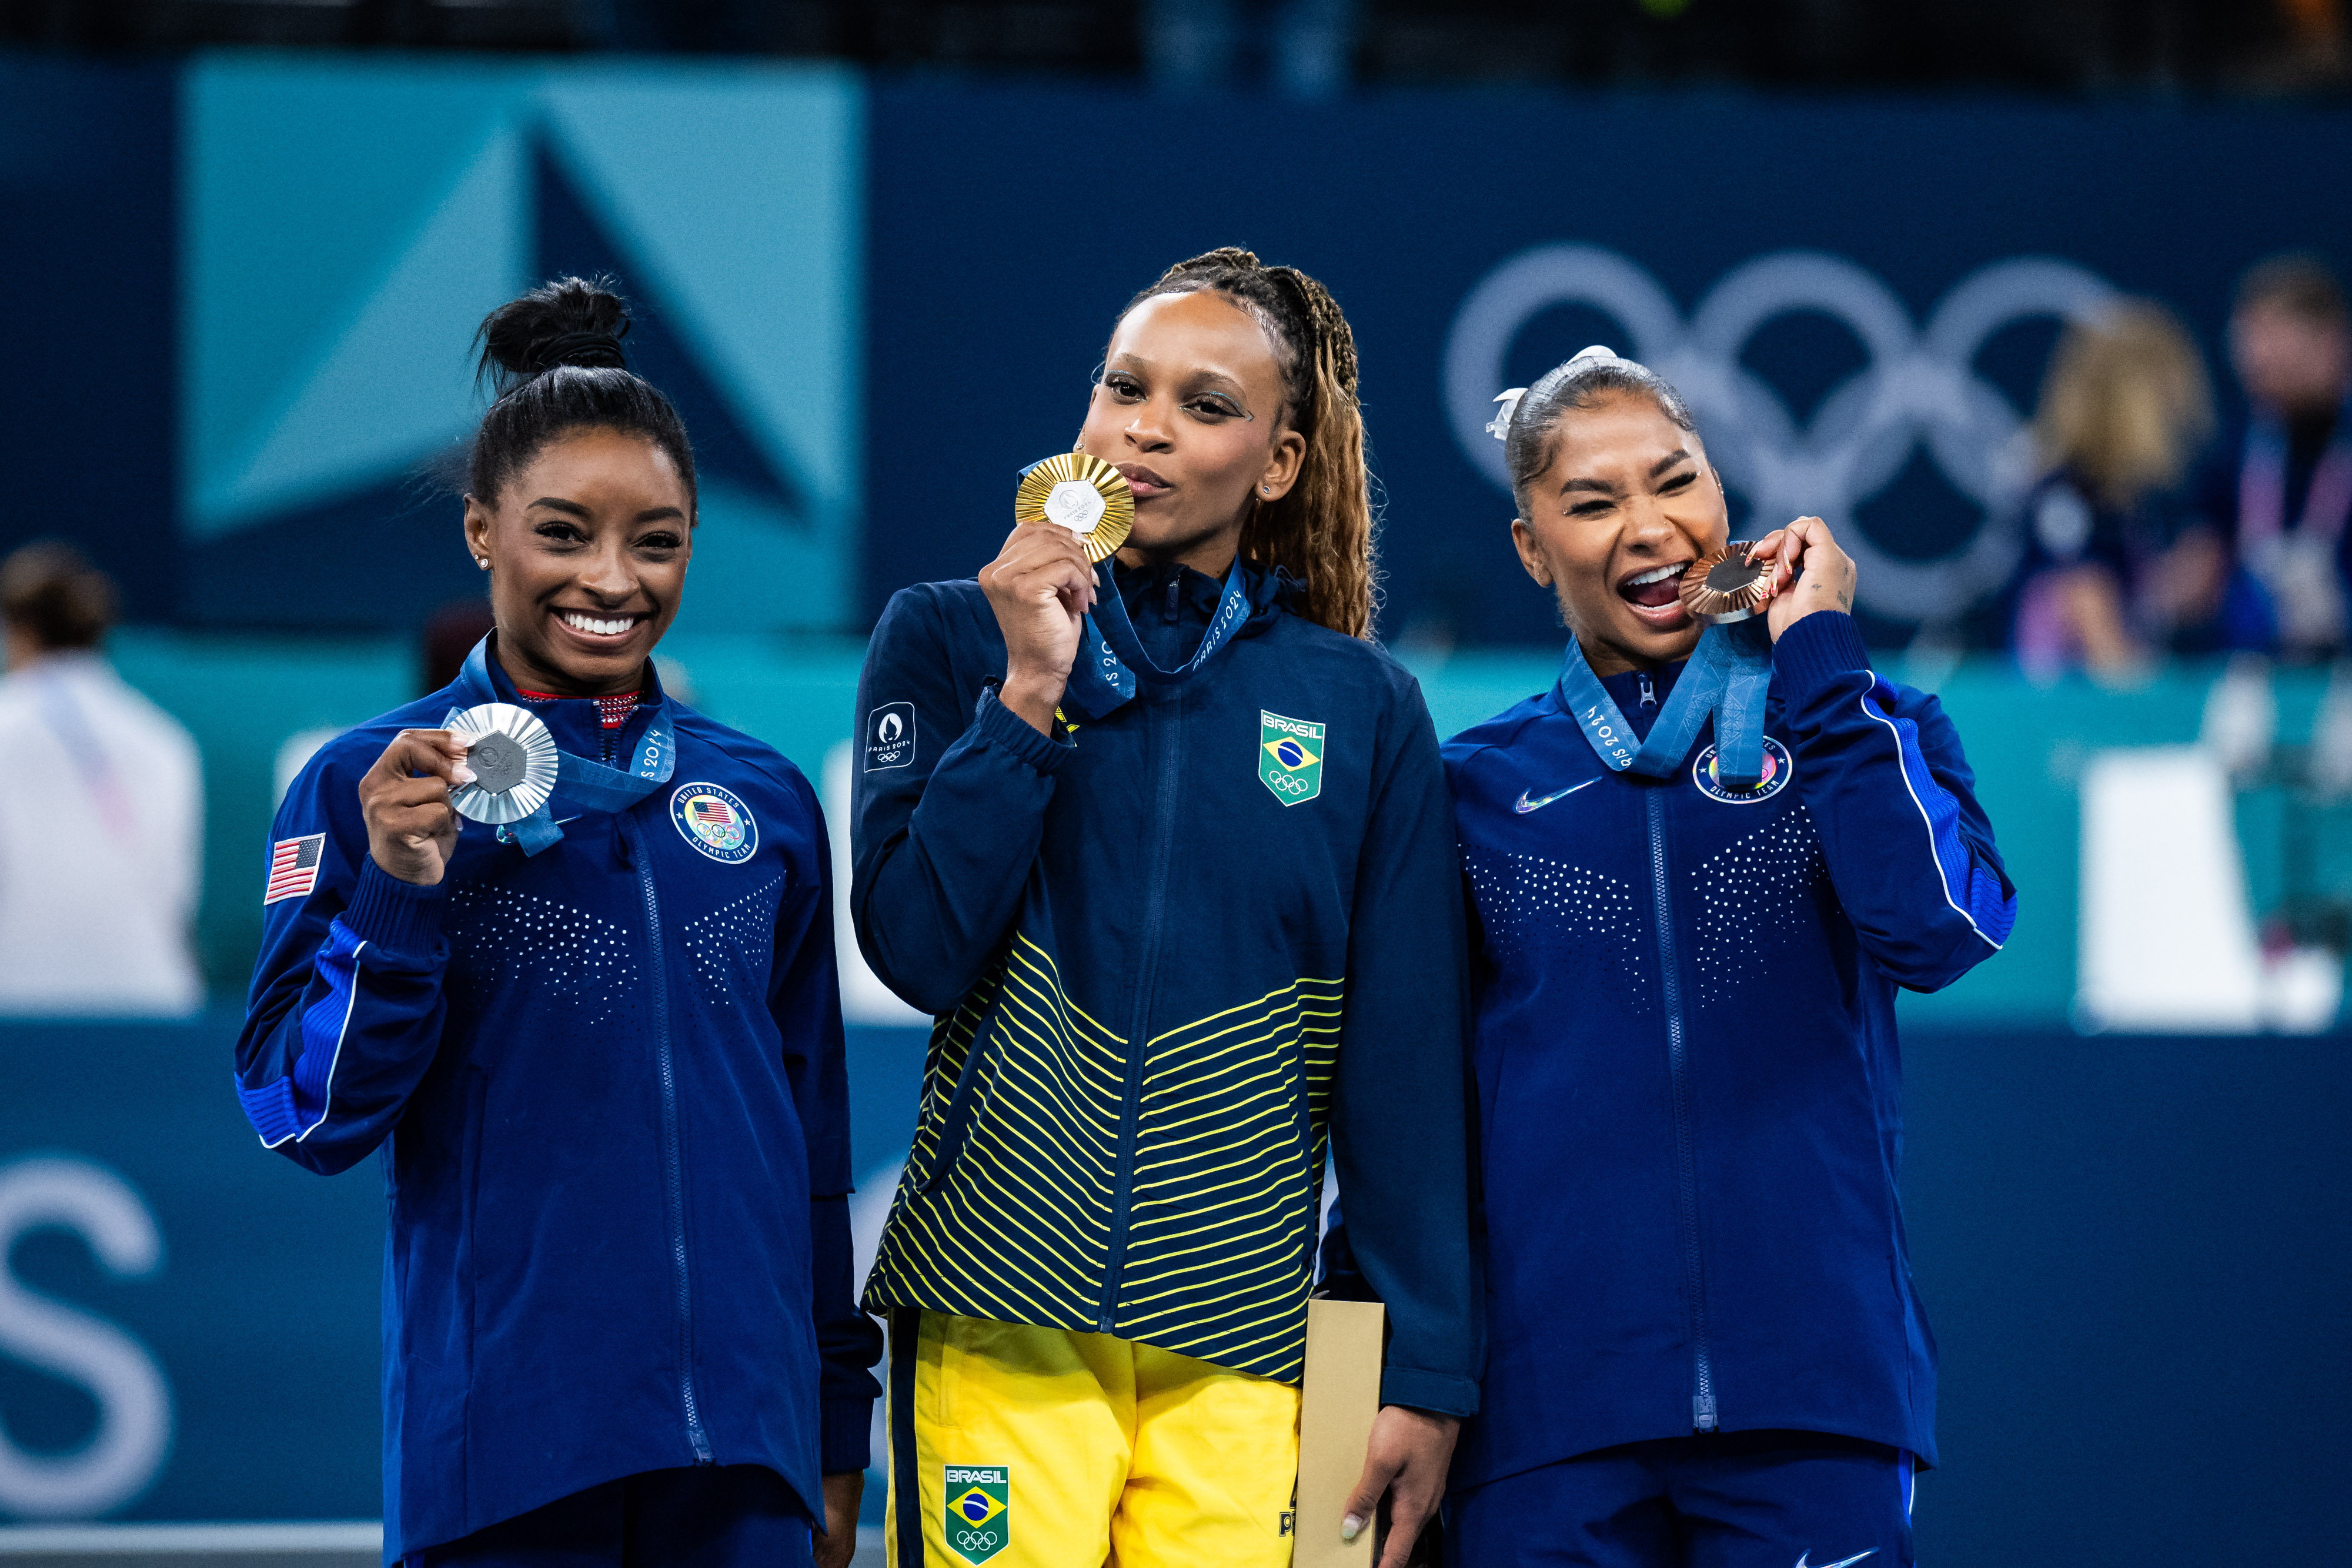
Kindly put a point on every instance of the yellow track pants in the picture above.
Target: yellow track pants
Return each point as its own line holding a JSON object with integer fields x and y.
{"x": 1013, "y": 1447}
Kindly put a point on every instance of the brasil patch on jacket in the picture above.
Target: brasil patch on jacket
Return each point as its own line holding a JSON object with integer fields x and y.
{"x": 1290, "y": 757}
{"x": 979, "y": 1514}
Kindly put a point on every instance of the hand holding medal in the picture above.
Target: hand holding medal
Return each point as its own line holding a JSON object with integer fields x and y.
{"x": 1071, "y": 512}
{"x": 1809, "y": 572}
{"x": 404, "y": 801}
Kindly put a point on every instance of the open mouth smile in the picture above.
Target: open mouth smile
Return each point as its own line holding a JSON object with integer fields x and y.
{"x": 600, "y": 628}
{"x": 1655, "y": 595}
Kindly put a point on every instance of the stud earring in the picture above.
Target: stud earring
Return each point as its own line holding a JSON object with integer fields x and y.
{"x": 482, "y": 561}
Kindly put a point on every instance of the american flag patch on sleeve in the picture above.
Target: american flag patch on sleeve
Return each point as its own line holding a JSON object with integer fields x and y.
{"x": 294, "y": 866}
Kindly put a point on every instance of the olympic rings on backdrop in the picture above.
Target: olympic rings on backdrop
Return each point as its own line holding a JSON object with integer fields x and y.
{"x": 1919, "y": 385}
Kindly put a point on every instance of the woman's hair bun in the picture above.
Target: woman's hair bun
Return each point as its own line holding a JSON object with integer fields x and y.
{"x": 570, "y": 321}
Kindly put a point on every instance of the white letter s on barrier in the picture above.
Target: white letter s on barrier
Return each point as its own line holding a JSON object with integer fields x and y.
{"x": 134, "y": 1403}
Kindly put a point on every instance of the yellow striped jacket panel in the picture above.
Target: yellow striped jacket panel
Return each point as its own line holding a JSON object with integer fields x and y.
{"x": 1008, "y": 1202}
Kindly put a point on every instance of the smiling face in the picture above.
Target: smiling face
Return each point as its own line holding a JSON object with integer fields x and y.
{"x": 1190, "y": 409}
{"x": 1627, "y": 502}
{"x": 588, "y": 544}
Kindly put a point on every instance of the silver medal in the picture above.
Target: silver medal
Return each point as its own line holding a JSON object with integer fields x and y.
{"x": 513, "y": 758}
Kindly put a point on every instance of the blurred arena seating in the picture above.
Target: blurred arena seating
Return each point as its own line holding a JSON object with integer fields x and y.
{"x": 1317, "y": 47}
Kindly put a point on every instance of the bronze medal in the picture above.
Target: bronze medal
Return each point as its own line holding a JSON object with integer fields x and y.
{"x": 1727, "y": 586}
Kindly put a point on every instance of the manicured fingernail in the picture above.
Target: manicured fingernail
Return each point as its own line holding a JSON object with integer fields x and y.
{"x": 1350, "y": 1527}
{"x": 463, "y": 774}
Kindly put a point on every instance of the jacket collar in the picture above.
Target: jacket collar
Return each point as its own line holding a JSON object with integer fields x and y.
{"x": 1265, "y": 593}
{"x": 575, "y": 722}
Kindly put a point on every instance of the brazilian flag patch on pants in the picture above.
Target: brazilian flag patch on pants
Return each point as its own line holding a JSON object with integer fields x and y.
{"x": 979, "y": 1521}
{"x": 1290, "y": 757}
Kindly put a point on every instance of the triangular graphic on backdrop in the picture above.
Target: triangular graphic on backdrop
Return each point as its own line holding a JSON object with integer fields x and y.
{"x": 572, "y": 242}
{"x": 397, "y": 381}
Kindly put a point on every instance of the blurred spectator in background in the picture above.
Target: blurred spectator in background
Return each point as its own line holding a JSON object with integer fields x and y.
{"x": 2127, "y": 404}
{"x": 102, "y": 811}
{"x": 2268, "y": 568}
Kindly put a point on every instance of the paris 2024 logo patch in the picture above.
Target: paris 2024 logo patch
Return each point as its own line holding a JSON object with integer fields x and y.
{"x": 979, "y": 1514}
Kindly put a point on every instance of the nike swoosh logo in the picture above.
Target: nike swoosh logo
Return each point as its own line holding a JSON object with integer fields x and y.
{"x": 1846, "y": 1563}
{"x": 1527, "y": 804}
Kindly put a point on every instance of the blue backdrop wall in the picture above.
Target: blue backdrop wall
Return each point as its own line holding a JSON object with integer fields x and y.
{"x": 1858, "y": 296}
{"x": 245, "y": 321}
{"x": 89, "y": 404}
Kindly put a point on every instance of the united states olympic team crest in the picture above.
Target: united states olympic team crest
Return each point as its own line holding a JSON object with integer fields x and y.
{"x": 1778, "y": 771}
{"x": 715, "y": 822}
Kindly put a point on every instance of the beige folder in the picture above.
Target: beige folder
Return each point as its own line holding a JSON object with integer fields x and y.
{"x": 1340, "y": 1396}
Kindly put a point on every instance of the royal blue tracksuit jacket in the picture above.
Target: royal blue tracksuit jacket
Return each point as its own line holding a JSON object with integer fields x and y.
{"x": 608, "y": 1086}
{"x": 1689, "y": 1092}
{"x": 1176, "y": 952}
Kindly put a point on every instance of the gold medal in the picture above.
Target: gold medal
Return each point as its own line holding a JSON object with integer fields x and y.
{"x": 1727, "y": 586}
{"x": 1082, "y": 494}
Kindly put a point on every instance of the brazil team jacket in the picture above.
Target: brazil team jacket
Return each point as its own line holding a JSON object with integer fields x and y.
{"x": 607, "y": 1082}
{"x": 1171, "y": 953}
{"x": 1688, "y": 1089}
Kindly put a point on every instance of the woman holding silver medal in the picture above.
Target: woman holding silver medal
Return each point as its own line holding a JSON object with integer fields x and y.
{"x": 562, "y": 948}
{"x": 1163, "y": 841}
{"x": 1700, "y": 867}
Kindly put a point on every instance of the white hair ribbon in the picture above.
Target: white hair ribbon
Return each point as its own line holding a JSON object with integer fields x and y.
{"x": 1499, "y": 427}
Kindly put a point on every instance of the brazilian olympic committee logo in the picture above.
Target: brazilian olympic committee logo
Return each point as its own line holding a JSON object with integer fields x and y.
{"x": 1778, "y": 770}
{"x": 1290, "y": 757}
{"x": 715, "y": 822}
{"x": 979, "y": 1514}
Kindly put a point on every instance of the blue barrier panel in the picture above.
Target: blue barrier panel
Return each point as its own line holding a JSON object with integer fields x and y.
{"x": 254, "y": 1319}
{"x": 2134, "y": 1252}
{"x": 189, "y": 1322}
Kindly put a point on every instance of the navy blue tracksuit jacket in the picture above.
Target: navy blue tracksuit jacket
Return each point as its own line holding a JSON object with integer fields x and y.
{"x": 607, "y": 1084}
{"x": 1176, "y": 952}
{"x": 1689, "y": 1086}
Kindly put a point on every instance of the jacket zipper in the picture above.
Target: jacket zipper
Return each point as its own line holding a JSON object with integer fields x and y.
{"x": 1155, "y": 910}
{"x": 673, "y": 1160}
{"x": 1703, "y": 1410}
{"x": 1649, "y": 692}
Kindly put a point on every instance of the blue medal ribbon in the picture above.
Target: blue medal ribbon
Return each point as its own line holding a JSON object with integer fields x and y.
{"x": 1100, "y": 681}
{"x": 1728, "y": 678}
{"x": 578, "y": 779}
